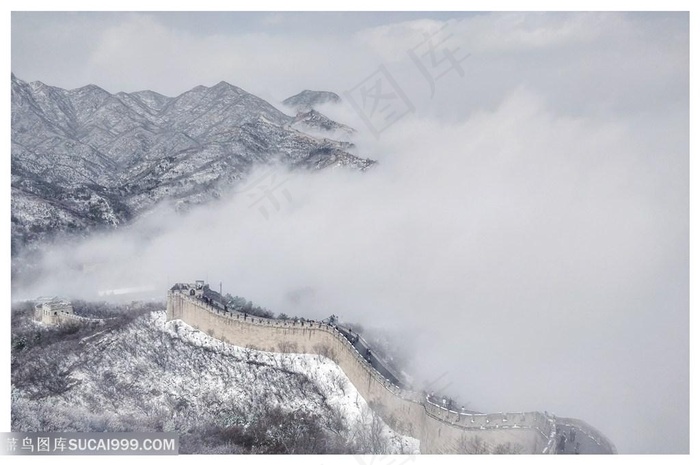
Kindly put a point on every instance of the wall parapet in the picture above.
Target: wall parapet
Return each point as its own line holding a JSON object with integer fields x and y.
{"x": 312, "y": 325}
{"x": 488, "y": 420}
{"x": 543, "y": 423}
{"x": 598, "y": 437}
{"x": 415, "y": 419}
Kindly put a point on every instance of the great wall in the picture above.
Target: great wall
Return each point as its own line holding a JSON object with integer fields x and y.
{"x": 410, "y": 413}
{"x": 57, "y": 311}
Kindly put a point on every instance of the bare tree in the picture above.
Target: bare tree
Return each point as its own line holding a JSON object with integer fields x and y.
{"x": 287, "y": 347}
{"x": 326, "y": 351}
{"x": 370, "y": 437}
{"x": 339, "y": 381}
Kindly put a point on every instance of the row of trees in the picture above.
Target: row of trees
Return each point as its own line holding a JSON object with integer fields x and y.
{"x": 242, "y": 305}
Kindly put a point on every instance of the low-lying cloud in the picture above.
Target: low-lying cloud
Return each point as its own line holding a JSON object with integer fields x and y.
{"x": 539, "y": 260}
{"x": 525, "y": 230}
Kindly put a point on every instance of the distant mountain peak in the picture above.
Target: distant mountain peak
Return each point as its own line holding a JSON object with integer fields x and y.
{"x": 307, "y": 100}
{"x": 89, "y": 89}
{"x": 221, "y": 84}
{"x": 313, "y": 120}
{"x": 224, "y": 86}
{"x": 86, "y": 158}
{"x": 36, "y": 85}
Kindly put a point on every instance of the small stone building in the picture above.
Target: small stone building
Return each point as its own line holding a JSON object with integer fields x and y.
{"x": 52, "y": 310}
{"x": 195, "y": 290}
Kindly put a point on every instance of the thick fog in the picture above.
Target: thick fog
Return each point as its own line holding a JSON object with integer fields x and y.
{"x": 525, "y": 230}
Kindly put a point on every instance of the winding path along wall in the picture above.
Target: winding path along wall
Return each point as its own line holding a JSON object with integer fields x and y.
{"x": 438, "y": 429}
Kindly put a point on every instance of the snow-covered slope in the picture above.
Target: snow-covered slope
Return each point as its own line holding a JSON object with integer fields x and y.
{"x": 84, "y": 158}
{"x": 155, "y": 375}
{"x": 313, "y": 122}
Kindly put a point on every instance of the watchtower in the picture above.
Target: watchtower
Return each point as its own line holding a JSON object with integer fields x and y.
{"x": 195, "y": 289}
{"x": 50, "y": 310}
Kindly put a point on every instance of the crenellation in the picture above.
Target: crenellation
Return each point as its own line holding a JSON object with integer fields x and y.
{"x": 438, "y": 428}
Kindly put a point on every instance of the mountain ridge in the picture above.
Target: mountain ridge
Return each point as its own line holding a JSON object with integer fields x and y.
{"x": 308, "y": 100}
{"x": 84, "y": 159}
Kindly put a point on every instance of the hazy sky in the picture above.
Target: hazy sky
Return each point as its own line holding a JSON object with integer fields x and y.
{"x": 526, "y": 229}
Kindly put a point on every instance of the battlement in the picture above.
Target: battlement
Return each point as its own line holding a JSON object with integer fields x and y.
{"x": 53, "y": 310}
{"x": 57, "y": 311}
{"x": 183, "y": 292}
{"x": 439, "y": 429}
{"x": 409, "y": 412}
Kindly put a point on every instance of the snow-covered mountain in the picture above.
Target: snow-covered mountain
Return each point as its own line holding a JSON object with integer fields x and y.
{"x": 307, "y": 100}
{"x": 141, "y": 373}
{"x": 86, "y": 158}
{"x": 313, "y": 122}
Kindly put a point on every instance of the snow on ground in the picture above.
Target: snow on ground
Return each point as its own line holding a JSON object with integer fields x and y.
{"x": 158, "y": 375}
{"x": 332, "y": 381}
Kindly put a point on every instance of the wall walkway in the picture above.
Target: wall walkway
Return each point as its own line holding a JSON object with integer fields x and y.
{"x": 410, "y": 413}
